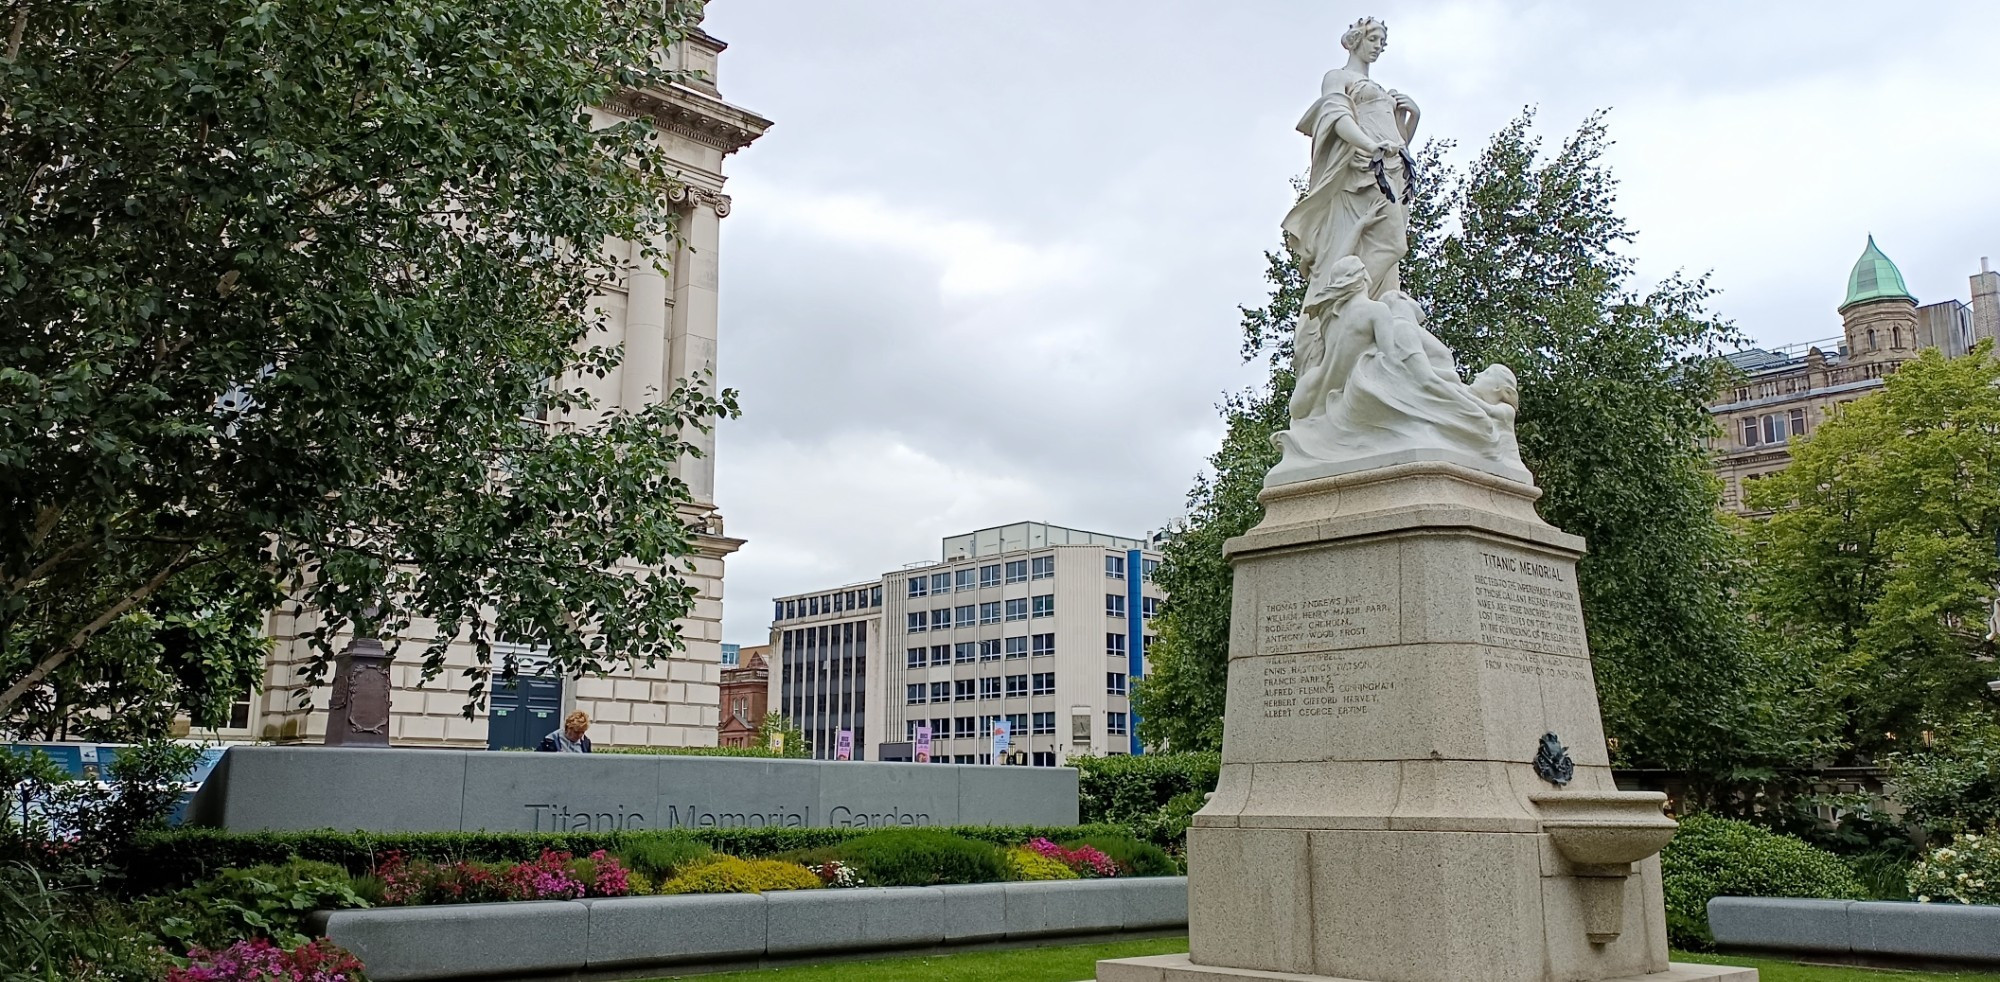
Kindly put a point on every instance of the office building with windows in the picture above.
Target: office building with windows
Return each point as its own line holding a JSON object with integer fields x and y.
{"x": 1786, "y": 393}
{"x": 1040, "y": 626}
{"x": 826, "y": 672}
{"x": 1037, "y": 625}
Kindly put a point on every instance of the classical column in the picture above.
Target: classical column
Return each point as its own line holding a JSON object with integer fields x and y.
{"x": 691, "y": 342}
{"x": 642, "y": 373}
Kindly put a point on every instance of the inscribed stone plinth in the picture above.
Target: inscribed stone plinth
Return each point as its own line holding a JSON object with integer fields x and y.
{"x": 1401, "y": 641}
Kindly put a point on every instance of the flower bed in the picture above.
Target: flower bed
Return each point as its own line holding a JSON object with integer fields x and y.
{"x": 667, "y": 865}
{"x": 166, "y": 860}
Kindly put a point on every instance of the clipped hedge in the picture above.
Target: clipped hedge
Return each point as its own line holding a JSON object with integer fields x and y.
{"x": 1719, "y": 857}
{"x": 1136, "y": 791}
{"x": 157, "y": 862}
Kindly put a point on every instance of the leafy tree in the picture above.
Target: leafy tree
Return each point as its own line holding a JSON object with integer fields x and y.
{"x": 778, "y": 726}
{"x": 303, "y": 294}
{"x": 1518, "y": 261}
{"x": 1878, "y": 560}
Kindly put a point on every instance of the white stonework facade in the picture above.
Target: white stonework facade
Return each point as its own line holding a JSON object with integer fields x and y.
{"x": 668, "y": 326}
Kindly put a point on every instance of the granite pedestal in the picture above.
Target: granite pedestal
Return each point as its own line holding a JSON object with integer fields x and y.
{"x": 1415, "y": 785}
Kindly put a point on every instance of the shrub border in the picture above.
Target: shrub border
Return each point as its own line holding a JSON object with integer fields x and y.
{"x": 157, "y": 862}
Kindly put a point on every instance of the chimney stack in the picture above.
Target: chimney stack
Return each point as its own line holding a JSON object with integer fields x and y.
{"x": 1985, "y": 301}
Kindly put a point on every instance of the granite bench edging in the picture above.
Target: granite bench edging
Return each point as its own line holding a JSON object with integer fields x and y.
{"x": 556, "y": 937}
{"x": 1864, "y": 930}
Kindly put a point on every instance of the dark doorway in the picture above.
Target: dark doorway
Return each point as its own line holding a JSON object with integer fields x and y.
{"x": 523, "y": 713}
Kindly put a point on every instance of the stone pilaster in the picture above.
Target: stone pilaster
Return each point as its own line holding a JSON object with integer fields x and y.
{"x": 691, "y": 342}
{"x": 642, "y": 373}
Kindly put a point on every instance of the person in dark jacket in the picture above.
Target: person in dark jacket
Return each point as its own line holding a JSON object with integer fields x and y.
{"x": 569, "y": 739}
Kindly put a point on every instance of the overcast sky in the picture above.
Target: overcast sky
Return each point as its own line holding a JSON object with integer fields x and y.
{"x": 986, "y": 265}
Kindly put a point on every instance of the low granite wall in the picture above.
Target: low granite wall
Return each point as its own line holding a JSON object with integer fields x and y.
{"x": 602, "y": 938}
{"x": 294, "y": 788}
{"x": 1862, "y": 931}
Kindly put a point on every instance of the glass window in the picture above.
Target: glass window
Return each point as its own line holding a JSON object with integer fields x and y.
{"x": 1017, "y": 647}
{"x": 940, "y": 654}
{"x": 964, "y": 689}
{"x": 965, "y": 616}
{"x": 940, "y": 583}
{"x": 1045, "y": 758}
{"x": 965, "y": 726}
{"x": 1044, "y": 605}
{"x": 1114, "y": 604}
{"x": 1045, "y": 683}
{"x": 940, "y": 691}
{"x": 1017, "y": 571}
{"x": 1774, "y": 428}
{"x": 1749, "y": 431}
{"x": 1114, "y": 683}
{"x": 989, "y": 650}
{"x": 989, "y": 575}
{"x": 966, "y": 579}
{"x": 916, "y": 622}
{"x": 989, "y": 613}
{"x": 875, "y": 596}
{"x": 1114, "y": 567}
{"x": 812, "y": 606}
{"x": 1017, "y": 685}
{"x": 1798, "y": 422}
{"x": 1045, "y": 723}
{"x": 910, "y": 729}
{"x": 778, "y": 610}
{"x": 989, "y": 688}
{"x": 1114, "y": 644}
{"x": 1017, "y": 724}
{"x": 1017, "y": 609}
{"x": 1148, "y": 567}
{"x": 1042, "y": 567}
{"x": 914, "y": 694}
{"x": 1042, "y": 644}
{"x": 940, "y": 618}
{"x": 1149, "y": 606}
{"x": 913, "y": 658}
{"x": 966, "y": 652}
{"x": 919, "y": 585}
{"x": 1114, "y": 723}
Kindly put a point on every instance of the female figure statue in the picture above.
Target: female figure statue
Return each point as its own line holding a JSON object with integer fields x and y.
{"x": 1356, "y": 201}
{"x": 1372, "y": 385}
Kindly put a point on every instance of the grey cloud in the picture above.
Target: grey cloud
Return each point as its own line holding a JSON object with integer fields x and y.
{"x": 1065, "y": 202}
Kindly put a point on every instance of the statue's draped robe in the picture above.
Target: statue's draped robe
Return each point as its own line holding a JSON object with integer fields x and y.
{"x": 1343, "y": 212}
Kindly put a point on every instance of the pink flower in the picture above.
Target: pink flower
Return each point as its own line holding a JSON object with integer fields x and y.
{"x": 258, "y": 960}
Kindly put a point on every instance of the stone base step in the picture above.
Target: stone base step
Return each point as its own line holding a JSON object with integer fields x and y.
{"x": 1177, "y": 968}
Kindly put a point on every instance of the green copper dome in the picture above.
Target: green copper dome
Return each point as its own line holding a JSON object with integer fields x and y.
{"x": 1875, "y": 278}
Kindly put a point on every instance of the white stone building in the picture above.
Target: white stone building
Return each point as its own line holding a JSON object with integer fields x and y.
{"x": 1035, "y": 624}
{"x": 668, "y": 326}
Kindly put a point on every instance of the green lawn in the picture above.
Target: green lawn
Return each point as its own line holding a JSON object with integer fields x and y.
{"x": 1073, "y": 962}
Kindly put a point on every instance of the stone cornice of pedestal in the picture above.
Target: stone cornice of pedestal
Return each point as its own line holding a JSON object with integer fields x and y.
{"x": 1416, "y": 496}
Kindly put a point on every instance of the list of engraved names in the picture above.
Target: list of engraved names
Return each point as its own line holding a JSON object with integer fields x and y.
{"x": 1527, "y": 603}
{"x": 1323, "y": 623}
{"x": 1321, "y": 684}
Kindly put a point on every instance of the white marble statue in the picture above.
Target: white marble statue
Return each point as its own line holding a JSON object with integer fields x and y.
{"x": 1374, "y": 387}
